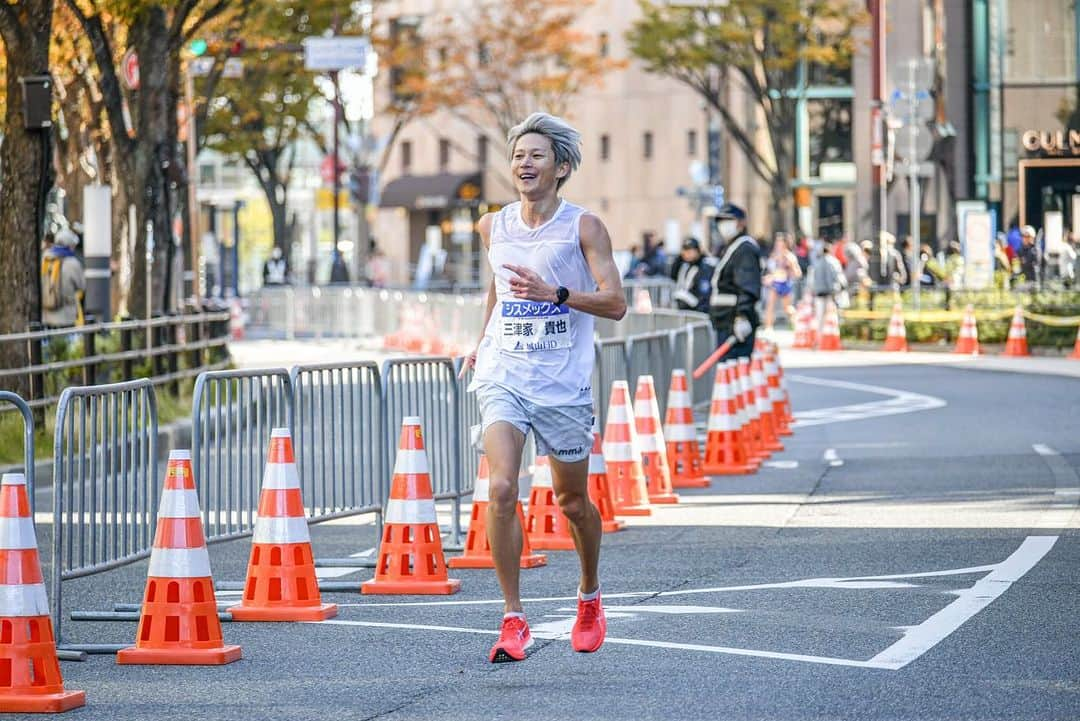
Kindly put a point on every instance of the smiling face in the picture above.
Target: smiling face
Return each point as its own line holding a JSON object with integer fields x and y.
{"x": 533, "y": 167}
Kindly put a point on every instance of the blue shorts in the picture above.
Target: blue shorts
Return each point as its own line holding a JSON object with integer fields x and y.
{"x": 562, "y": 432}
{"x": 782, "y": 287}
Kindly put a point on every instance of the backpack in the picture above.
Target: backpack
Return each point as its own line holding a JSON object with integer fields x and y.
{"x": 51, "y": 296}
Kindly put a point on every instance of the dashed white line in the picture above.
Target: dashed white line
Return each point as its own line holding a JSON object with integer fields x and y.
{"x": 832, "y": 458}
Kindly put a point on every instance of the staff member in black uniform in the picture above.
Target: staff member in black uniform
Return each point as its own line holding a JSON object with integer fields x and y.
{"x": 692, "y": 273}
{"x": 736, "y": 283}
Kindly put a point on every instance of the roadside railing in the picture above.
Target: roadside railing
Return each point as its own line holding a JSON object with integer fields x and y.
{"x": 232, "y": 415}
{"x": 164, "y": 350}
{"x": 28, "y": 438}
{"x": 106, "y": 484}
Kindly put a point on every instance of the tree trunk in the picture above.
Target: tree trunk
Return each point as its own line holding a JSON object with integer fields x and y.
{"x": 153, "y": 160}
{"x": 26, "y": 177}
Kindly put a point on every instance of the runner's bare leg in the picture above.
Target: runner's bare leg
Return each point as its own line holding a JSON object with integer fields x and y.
{"x": 571, "y": 484}
{"x": 503, "y": 444}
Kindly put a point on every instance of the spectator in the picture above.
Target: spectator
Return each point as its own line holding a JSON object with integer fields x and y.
{"x": 1067, "y": 258}
{"x": 802, "y": 255}
{"x": 276, "y": 269}
{"x": 378, "y": 268}
{"x": 1002, "y": 262}
{"x": 692, "y": 273}
{"x": 1029, "y": 255}
{"x": 653, "y": 260}
{"x": 825, "y": 281}
{"x": 895, "y": 268}
{"x": 339, "y": 272}
{"x": 781, "y": 272}
{"x": 62, "y": 283}
{"x": 857, "y": 268}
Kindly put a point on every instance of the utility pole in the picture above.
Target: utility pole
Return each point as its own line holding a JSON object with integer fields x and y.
{"x": 878, "y": 121}
{"x": 334, "y": 156}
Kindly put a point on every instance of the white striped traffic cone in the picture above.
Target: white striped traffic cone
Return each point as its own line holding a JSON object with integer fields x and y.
{"x": 683, "y": 451}
{"x": 31, "y": 679}
{"x": 179, "y": 622}
{"x": 281, "y": 583}
{"x": 650, "y": 436}
{"x": 411, "y": 557}
{"x": 623, "y": 457}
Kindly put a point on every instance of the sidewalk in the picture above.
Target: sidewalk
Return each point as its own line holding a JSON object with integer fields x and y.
{"x": 1041, "y": 365}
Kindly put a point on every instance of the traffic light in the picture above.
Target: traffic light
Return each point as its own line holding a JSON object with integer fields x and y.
{"x": 198, "y": 47}
{"x": 237, "y": 48}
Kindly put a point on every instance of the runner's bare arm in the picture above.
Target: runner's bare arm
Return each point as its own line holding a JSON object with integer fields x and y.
{"x": 484, "y": 226}
{"x": 607, "y": 302}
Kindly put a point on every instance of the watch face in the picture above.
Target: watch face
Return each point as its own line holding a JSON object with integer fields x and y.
{"x": 562, "y": 293}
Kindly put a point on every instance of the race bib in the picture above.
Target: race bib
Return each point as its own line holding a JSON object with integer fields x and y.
{"x": 526, "y": 326}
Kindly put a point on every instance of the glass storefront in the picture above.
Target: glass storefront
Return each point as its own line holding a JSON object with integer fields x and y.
{"x": 1026, "y": 121}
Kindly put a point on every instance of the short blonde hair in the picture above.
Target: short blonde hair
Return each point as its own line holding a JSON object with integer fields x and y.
{"x": 565, "y": 140}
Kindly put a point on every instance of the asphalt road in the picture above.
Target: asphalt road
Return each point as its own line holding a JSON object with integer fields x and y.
{"x": 912, "y": 554}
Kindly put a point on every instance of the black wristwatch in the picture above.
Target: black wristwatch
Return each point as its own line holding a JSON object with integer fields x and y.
{"x": 561, "y": 294}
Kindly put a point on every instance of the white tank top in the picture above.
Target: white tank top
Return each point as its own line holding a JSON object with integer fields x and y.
{"x": 539, "y": 351}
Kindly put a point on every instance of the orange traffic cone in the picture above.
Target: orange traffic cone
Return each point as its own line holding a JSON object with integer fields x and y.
{"x": 784, "y": 391}
{"x": 477, "y": 546}
{"x": 683, "y": 451}
{"x": 804, "y": 326}
{"x": 545, "y": 523}
{"x": 896, "y": 340}
{"x": 30, "y": 681}
{"x": 776, "y": 393}
{"x": 830, "y": 330}
{"x": 651, "y": 441}
{"x": 770, "y": 438}
{"x": 623, "y": 457}
{"x": 725, "y": 445}
{"x": 411, "y": 554}
{"x": 968, "y": 341}
{"x": 179, "y": 623}
{"x": 281, "y": 583}
{"x": 1075, "y": 355}
{"x": 1016, "y": 345}
{"x": 599, "y": 488}
{"x": 755, "y": 438}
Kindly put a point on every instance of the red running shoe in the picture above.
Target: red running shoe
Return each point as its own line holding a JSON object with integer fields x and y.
{"x": 590, "y": 627}
{"x": 514, "y": 641}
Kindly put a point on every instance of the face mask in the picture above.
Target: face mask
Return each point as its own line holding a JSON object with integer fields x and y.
{"x": 728, "y": 229}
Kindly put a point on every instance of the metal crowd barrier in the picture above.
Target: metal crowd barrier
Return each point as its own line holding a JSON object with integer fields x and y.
{"x": 337, "y": 437}
{"x": 610, "y": 364}
{"x": 428, "y": 388}
{"x": 105, "y": 485}
{"x": 232, "y": 415}
{"x": 28, "y": 440}
{"x": 650, "y": 354}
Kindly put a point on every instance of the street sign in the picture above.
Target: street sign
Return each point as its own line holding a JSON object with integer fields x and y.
{"x": 129, "y": 66}
{"x": 200, "y": 66}
{"x": 336, "y": 53}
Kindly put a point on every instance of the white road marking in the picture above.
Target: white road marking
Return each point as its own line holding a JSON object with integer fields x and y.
{"x": 831, "y": 458}
{"x": 897, "y": 402}
{"x": 969, "y": 602}
{"x": 1064, "y": 514}
{"x": 916, "y": 641}
{"x": 785, "y": 465}
{"x": 332, "y": 572}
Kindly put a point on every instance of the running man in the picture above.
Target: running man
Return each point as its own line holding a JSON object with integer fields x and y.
{"x": 553, "y": 271}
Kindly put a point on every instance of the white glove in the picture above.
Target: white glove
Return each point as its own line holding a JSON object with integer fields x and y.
{"x": 742, "y": 329}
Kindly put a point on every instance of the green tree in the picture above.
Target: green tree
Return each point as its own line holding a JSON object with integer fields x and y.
{"x": 261, "y": 117}
{"x": 25, "y": 175}
{"x": 761, "y": 44}
{"x": 145, "y": 149}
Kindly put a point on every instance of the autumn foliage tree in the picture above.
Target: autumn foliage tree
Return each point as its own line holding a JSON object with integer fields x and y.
{"x": 145, "y": 150}
{"x": 761, "y": 44}
{"x": 496, "y": 62}
{"x": 260, "y": 117}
